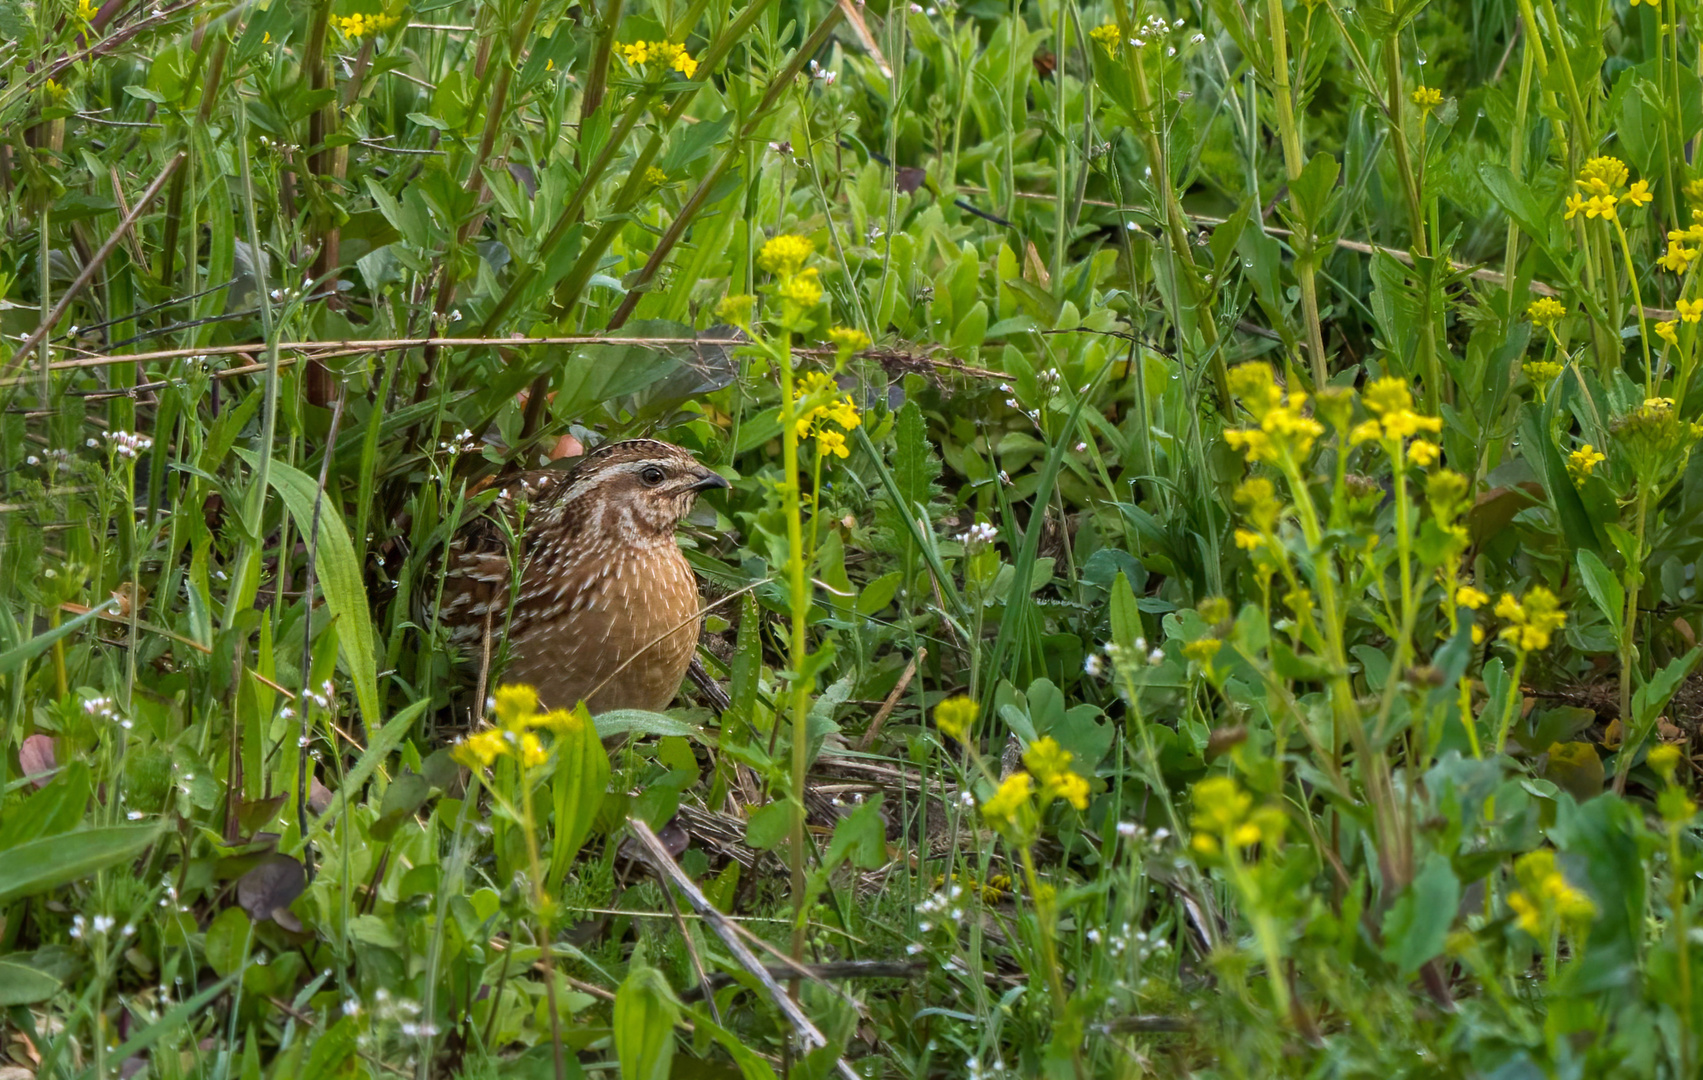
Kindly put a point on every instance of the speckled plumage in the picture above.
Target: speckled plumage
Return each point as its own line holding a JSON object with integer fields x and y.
{"x": 607, "y": 606}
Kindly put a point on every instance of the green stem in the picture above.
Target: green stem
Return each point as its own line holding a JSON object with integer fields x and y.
{"x": 800, "y": 604}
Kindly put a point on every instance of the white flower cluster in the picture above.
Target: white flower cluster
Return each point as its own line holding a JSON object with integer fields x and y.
{"x": 128, "y": 444}
{"x": 1095, "y": 666}
{"x": 99, "y": 926}
{"x": 53, "y": 459}
{"x": 461, "y": 444}
{"x": 101, "y": 708}
{"x": 324, "y": 696}
{"x": 947, "y": 903}
{"x": 1128, "y": 939}
{"x": 978, "y": 536}
{"x": 817, "y": 71}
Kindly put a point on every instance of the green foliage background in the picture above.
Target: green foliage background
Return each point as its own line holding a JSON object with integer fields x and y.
{"x": 1385, "y": 729}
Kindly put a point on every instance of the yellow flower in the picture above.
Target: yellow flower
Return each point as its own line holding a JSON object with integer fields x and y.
{"x": 532, "y": 753}
{"x": 1220, "y": 805}
{"x": 955, "y": 715}
{"x": 1545, "y": 312}
{"x": 1004, "y": 808}
{"x": 843, "y": 413}
{"x": 801, "y": 288}
{"x": 1470, "y": 598}
{"x": 1575, "y": 203}
{"x": 1248, "y": 540}
{"x": 1544, "y": 896}
{"x": 1678, "y": 259}
{"x": 1423, "y": 453}
{"x": 1690, "y": 310}
{"x": 1427, "y": 97}
{"x": 561, "y": 721}
{"x": 655, "y": 177}
{"x": 86, "y": 11}
{"x": 515, "y": 705}
{"x": 1107, "y": 35}
{"x": 1366, "y": 431}
{"x": 358, "y": 26}
{"x": 1202, "y": 650}
{"x": 1582, "y": 461}
{"x": 848, "y": 340}
{"x": 1638, "y": 194}
{"x": 831, "y": 442}
{"x": 1046, "y": 759}
{"x": 1665, "y": 330}
{"x": 1070, "y": 787}
{"x": 736, "y": 309}
{"x": 640, "y": 53}
{"x": 1665, "y": 759}
{"x": 1531, "y": 622}
{"x": 1603, "y": 174}
{"x": 1284, "y": 428}
{"x": 480, "y": 749}
{"x": 1541, "y": 371}
{"x": 785, "y": 254}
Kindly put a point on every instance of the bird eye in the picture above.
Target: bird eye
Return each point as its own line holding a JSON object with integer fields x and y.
{"x": 652, "y": 476}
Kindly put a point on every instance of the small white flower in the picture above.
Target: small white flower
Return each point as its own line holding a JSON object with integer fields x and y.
{"x": 137, "y": 815}
{"x": 1127, "y": 829}
{"x": 1094, "y": 666}
{"x": 103, "y": 924}
{"x": 32, "y": 460}
{"x": 1156, "y": 657}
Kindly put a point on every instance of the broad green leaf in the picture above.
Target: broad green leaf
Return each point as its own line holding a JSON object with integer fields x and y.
{"x": 643, "y": 1026}
{"x": 21, "y": 984}
{"x": 642, "y": 722}
{"x": 1605, "y": 590}
{"x": 44, "y": 864}
{"x": 339, "y": 577}
{"x": 1417, "y": 924}
{"x": 582, "y": 775}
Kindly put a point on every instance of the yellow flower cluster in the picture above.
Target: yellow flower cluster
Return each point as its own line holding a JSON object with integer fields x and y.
{"x": 666, "y": 53}
{"x": 1012, "y": 808}
{"x": 1545, "y": 312}
{"x": 515, "y": 733}
{"x": 1284, "y": 429}
{"x": 996, "y": 888}
{"x": 1470, "y": 598}
{"x": 1107, "y": 35}
{"x": 1427, "y": 97}
{"x": 1600, "y": 182}
{"x": 1541, "y": 372}
{"x": 1583, "y": 461}
{"x": 1389, "y": 400}
{"x": 1050, "y": 764}
{"x": 785, "y": 255}
{"x": 848, "y": 340}
{"x": 1679, "y": 257}
{"x": 1004, "y": 809}
{"x": 955, "y": 715}
{"x": 359, "y": 26}
{"x": 655, "y": 177}
{"x": 1544, "y": 897}
{"x": 1225, "y": 817}
{"x": 1531, "y": 621}
{"x": 835, "y": 407}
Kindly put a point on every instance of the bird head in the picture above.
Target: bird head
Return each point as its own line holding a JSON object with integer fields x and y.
{"x": 636, "y": 490}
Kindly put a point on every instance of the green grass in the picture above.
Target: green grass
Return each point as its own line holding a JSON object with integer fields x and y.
{"x": 1257, "y": 403}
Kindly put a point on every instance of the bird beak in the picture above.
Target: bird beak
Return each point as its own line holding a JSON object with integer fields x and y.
{"x": 708, "y": 480}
